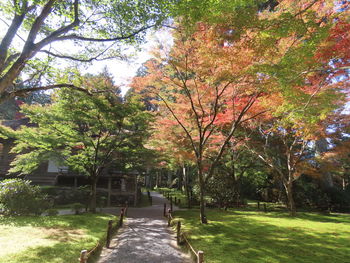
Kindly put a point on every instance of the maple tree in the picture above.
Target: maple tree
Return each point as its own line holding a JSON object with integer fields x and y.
{"x": 86, "y": 133}
{"x": 243, "y": 68}
{"x": 201, "y": 96}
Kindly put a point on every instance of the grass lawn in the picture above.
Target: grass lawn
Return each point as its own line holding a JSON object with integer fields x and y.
{"x": 175, "y": 193}
{"x": 256, "y": 237}
{"x": 33, "y": 239}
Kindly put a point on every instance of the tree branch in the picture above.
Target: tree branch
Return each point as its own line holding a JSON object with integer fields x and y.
{"x": 23, "y": 92}
{"x": 82, "y": 38}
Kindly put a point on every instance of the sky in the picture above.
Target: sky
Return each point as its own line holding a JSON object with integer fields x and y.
{"x": 123, "y": 71}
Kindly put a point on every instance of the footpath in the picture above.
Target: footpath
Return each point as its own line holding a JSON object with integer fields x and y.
{"x": 145, "y": 238}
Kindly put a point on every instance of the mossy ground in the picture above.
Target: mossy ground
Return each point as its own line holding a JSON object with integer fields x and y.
{"x": 33, "y": 239}
{"x": 246, "y": 236}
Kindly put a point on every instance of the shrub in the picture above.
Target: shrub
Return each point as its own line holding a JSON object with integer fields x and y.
{"x": 52, "y": 212}
{"x": 19, "y": 197}
{"x": 68, "y": 195}
{"x": 77, "y": 207}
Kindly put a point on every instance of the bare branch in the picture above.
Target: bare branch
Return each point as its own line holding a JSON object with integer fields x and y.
{"x": 23, "y": 92}
{"x": 82, "y": 38}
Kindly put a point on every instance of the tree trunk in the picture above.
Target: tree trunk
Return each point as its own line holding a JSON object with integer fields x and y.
{"x": 170, "y": 178}
{"x": 186, "y": 184}
{"x": 203, "y": 217}
{"x": 290, "y": 199}
{"x": 93, "y": 194}
{"x": 180, "y": 180}
{"x": 157, "y": 179}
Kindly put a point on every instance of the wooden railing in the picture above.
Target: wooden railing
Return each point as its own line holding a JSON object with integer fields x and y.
{"x": 182, "y": 238}
{"x": 111, "y": 229}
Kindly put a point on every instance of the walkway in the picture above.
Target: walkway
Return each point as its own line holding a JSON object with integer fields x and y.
{"x": 145, "y": 238}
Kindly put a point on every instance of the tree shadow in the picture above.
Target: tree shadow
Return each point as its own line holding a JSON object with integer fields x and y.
{"x": 239, "y": 237}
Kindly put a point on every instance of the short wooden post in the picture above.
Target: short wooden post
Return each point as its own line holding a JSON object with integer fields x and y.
{"x": 200, "y": 257}
{"x": 258, "y": 205}
{"x": 175, "y": 201}
{"x": 169, "y": 217}
{"x": 109, "y": 233}
{"x": 178, "y": 232}
{"x": 121, "y": 217}
{"x": 126, "y": 208}
{"x": 83, "y": 256}
{"x": 171, "y": 203}
{"x": 265, "y": 209}
{"x": 164, "y": 210}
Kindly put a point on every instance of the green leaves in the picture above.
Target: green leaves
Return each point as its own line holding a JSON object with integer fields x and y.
{"x": 84, "y": 131}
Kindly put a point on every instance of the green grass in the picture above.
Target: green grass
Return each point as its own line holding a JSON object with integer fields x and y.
{"x": 255, "y": 237}
{"x": 30, "y": 239}
{"x": 175, "y": 193}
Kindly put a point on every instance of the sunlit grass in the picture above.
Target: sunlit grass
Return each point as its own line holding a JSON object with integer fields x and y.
{"x": 175, "y": 193}
{"x": 254, "y": 237}
{"x": 30, "y": 239}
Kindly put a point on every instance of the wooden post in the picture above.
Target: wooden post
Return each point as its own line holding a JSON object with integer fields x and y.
{"x": 175, "y": 201}
{"x": 136, "y": 192}
{"x": 258, "y": 205}
{"x": 169, "y": 217}
{"x": 75, "y": 182}
{"x": 109, "y": 191}
{"x": 109, "y": 233}
{"x": 121, "y": 217}
{"x": 168, "y": 195}
{"x": 164, "y": 211}
{"x": 171, "y": 203}
{"x": 200, "y": 257}
{"x": 178, "y": 232}
{"x": 265, "y": 209}
{"x": 126, "y": 208}
{"x": 83, "y": 256}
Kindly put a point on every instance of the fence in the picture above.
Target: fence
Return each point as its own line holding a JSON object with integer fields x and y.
{"x": 182, "y": 238}
{"x": 111, "y": 229}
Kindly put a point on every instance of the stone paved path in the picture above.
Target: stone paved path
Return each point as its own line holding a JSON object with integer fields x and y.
{"x": 145, "y": 238}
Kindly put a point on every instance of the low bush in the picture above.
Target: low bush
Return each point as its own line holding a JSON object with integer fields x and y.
{"x": 19, "y": 197}
{"x": 52, "y": 212}
{"x": 77, "y": 207}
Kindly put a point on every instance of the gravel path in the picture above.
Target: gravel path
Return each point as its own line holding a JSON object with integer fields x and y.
{"x": 145, "y": 238}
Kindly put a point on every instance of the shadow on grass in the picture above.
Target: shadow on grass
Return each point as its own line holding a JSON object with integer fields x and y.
{"x": 245, "y": 237}
{"x": 66, "y": 235}
{"x": 60, "y": 252}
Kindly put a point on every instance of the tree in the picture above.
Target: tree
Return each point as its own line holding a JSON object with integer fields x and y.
{"x": 97, "y": 28}
{"x": 87, "y": 133}
{"x": 202, "y": 94}
{"x": 236, "y": 68}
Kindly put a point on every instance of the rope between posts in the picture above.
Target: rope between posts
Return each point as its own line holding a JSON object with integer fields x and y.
{"x": 84, "y": 255}
{"x": 200, "y": 259}
{"x": 189, "y": 244}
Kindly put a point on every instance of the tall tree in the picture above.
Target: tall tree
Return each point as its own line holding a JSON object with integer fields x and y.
{"x": 203, "y": 93}
{"x": 96, "y": 30}
{"x": 85, "y": 132}
{"x": 239, "y": 68}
